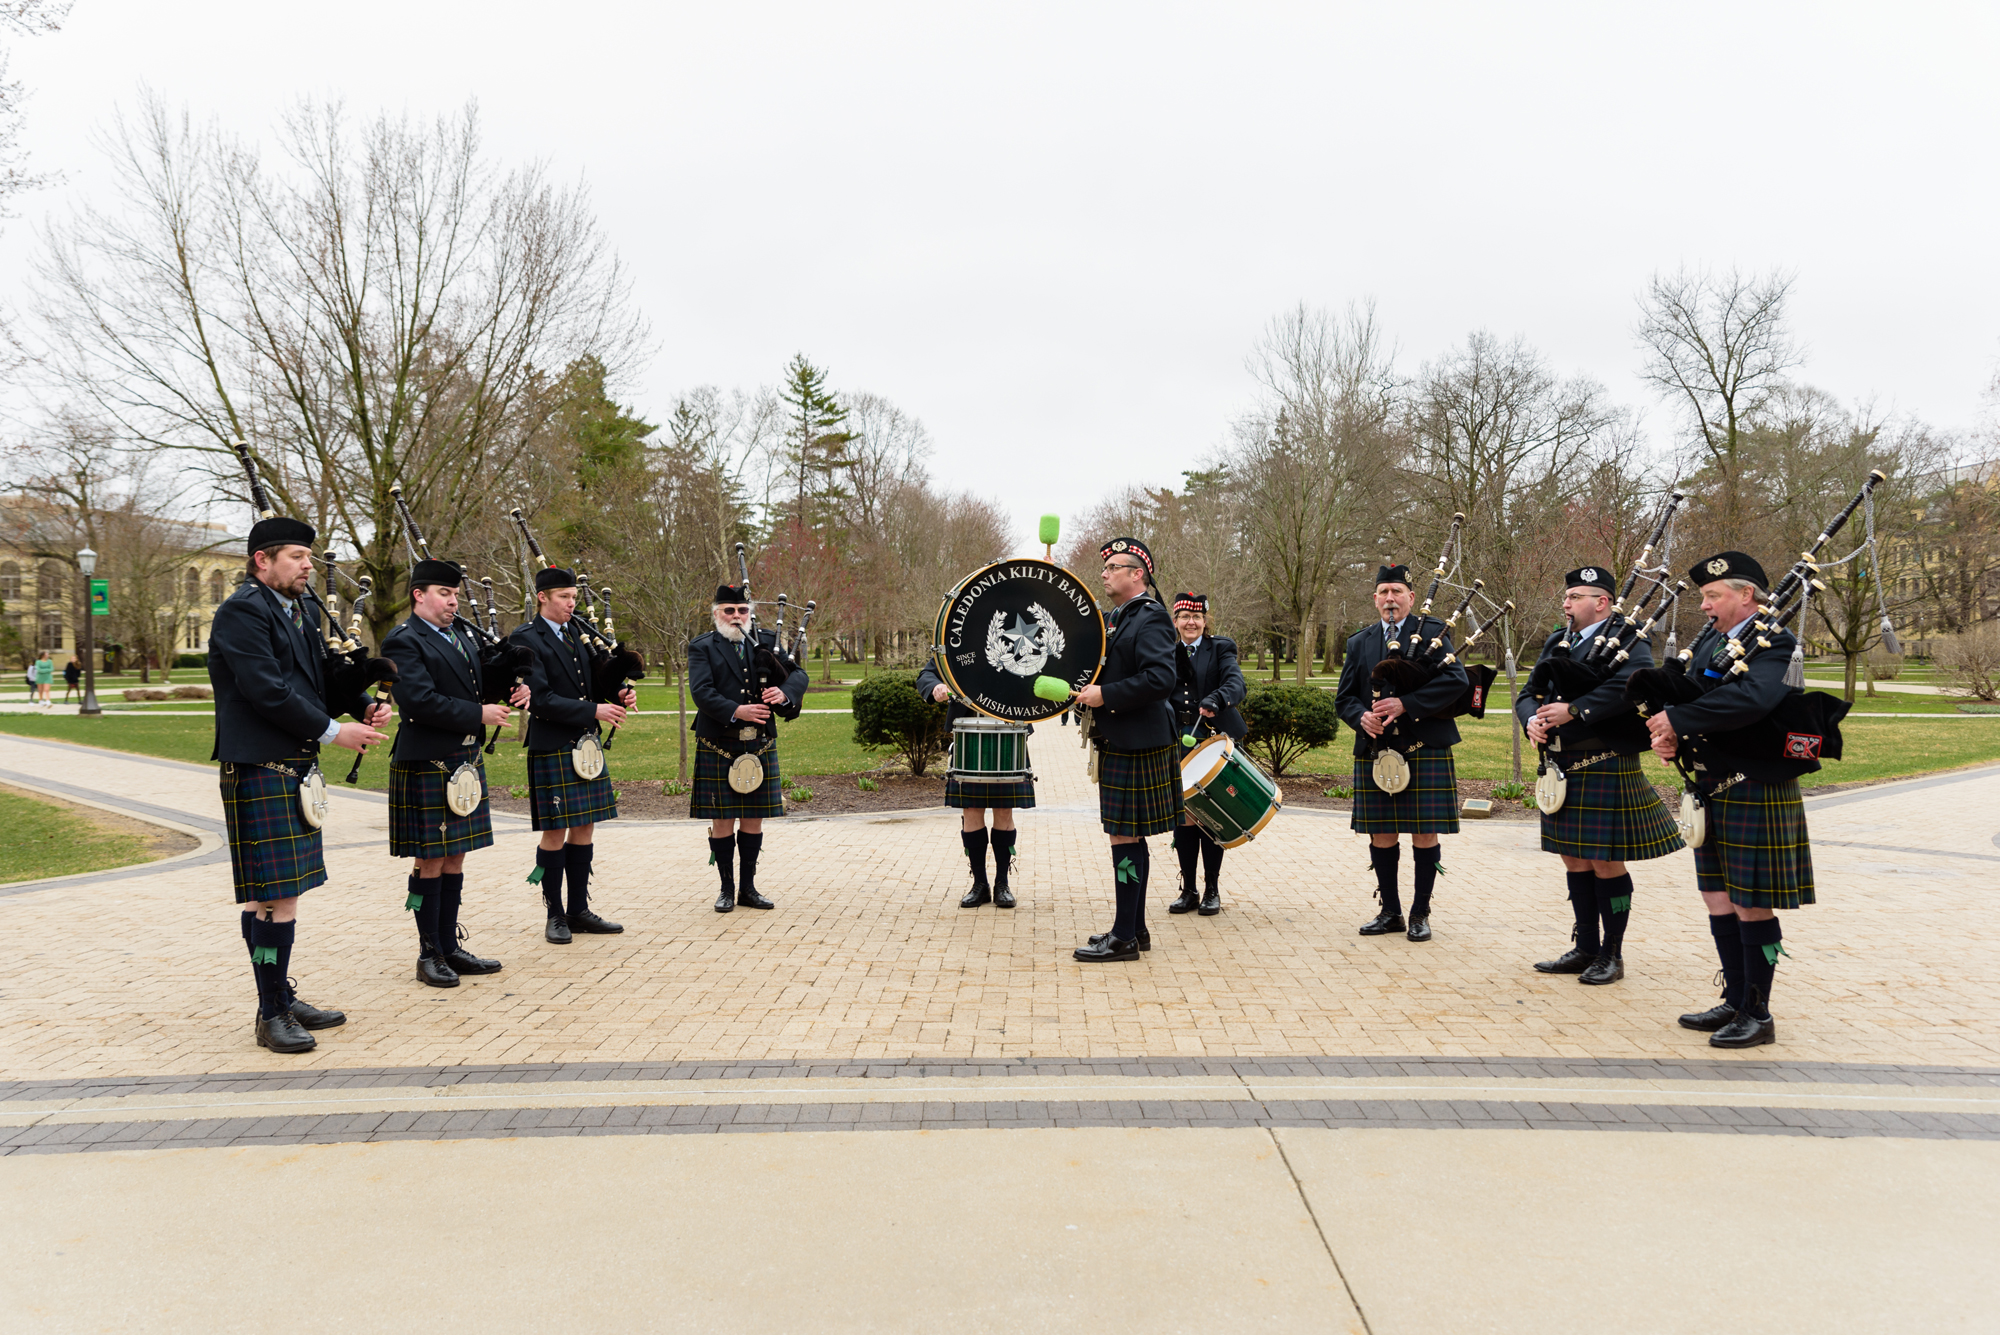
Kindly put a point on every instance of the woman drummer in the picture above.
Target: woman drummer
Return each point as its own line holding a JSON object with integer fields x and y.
{"x": 1208, "y": 687}
{"x": 973, "y": 801}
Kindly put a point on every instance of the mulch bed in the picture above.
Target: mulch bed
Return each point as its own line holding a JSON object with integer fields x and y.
{"x": 1308, "y": 790}
{"x": 832, "y": 795}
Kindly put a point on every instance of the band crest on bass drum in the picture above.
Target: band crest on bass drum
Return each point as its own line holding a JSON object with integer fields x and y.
{"x": 1011, "y": 622}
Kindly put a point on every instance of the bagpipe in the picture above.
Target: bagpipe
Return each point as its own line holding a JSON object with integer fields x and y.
{"x": 1806, "y": 724}
{"x": 773, "y": 664}
{"x": 610, "y": 665}
{"x": 503, "y": 665}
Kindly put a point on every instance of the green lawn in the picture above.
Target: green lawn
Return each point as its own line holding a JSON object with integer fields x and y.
{"x": 45, "y": 840}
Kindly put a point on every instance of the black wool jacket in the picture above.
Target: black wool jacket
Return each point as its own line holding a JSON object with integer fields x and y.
{"x": 1729, "y": 703}
{"x": 1208, "y": 677}
{"x": 1365, "y": 648}
{"x": 1605, "y": 720}
{"x": 270, "y": 679}
{"x": 436, "y": 690}
{"x": 723, "y": 675}
{"x": 1138, "y": 679}
{"x": 560, "y": 709}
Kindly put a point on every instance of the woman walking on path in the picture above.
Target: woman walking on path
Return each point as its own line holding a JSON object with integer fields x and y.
{"x": 45, "y": 674}
{"x": 72, "y": 676}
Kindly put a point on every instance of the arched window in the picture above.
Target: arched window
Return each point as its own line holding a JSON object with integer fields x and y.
{"x": 49, "y": 582}
{"x": 193, "y": 629}
{"x": 10, "y": 580}
{"x": 215, "y": 588}
{"x": 52, "y": 631}
{"x": 193, "y": 585}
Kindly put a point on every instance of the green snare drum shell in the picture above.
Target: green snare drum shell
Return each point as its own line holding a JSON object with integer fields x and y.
{"x": 1226, "y": 793}
{"x": 988, "y": 750}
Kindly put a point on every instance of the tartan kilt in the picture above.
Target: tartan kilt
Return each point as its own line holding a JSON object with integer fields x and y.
{"x": 1612, "y": 814}
{"x": 273, "y": 853}
{"x": 1139, "y": 792}
{"x": 1019, "y": 793}
{"x": 557, "y": 799}
{"x": 714, "y": 799}
{"x": 421, "y": 825}
{"x": 1428, "y": 806}
{"x": 1757, "y": 848}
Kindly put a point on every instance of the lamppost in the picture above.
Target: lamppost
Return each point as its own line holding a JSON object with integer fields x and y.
{"x": 86, "y": 561}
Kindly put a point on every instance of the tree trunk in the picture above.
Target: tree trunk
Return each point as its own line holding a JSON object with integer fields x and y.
{"x": 1307, "y": 639}
{"x": 1514, "y": 724}
{"x": 1853, "y": 660}
{"x": 1868, "y": 671}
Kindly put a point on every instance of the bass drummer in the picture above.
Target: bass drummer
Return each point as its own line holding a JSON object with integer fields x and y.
{"x": 1208, "y": 687}
{"x": 973, "y": 801}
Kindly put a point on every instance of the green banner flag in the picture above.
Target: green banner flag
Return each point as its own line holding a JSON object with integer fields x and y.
{"x": 100, "y": 597}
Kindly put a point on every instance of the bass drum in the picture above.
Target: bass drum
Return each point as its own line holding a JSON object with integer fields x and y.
{"x": 1013, "y": 621}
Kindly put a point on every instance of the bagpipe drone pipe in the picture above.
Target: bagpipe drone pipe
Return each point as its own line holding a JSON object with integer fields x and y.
{"x": 611, "y": 666}
{"x": 503, "y": 665}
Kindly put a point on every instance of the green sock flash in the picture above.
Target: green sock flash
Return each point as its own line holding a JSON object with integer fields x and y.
{"x": 263, "y": 955}
{"x": 1621, "y": 903}
{"x": 1126, "y": 871}
{"x": 1772, "y": 951}
{"x": 415, "y": 901}
{"x": 535, "y": 876}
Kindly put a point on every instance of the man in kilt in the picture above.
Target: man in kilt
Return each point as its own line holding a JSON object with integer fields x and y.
{"x": 439, "y": 686}
{"x": 1413, "y": 726}
{"x": 741, "y": 685}
{"x": 267, "y": 663}
{"x": 1138, "y": 754}
{"x": 562, "y": 805}
{"x": 1208, "y": 686}
{"x": 1610, "y": 814}
{"x": 1757, "y": 857}
{"x": 973, "y": 800}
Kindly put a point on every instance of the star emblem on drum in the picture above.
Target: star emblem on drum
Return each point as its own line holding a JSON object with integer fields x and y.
{"x": 1026, "y": 644}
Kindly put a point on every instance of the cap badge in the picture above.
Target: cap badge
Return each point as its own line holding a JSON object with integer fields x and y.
{"x": 1118, "y": 546}
{"x": 1588, "y": 572}
{"x": 1717, "y": 566}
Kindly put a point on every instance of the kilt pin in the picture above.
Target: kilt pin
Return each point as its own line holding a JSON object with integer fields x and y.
{"x": 422, "y": 824}
{"x": 558, "y": 799}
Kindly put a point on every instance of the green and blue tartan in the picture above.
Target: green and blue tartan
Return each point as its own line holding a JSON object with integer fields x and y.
{"x": 714, "y": 799}
{"x": 1139, "y": 792}
{"x": 1017, "y": 794}
{"x": 421, "y": 825}
{"x": 1757, "y": 849}
{"x": 273, "y": 853}
{"x": 557, "y": 799}
{"x": 1428, "y": 806}
{"x": 1611, "y": 813}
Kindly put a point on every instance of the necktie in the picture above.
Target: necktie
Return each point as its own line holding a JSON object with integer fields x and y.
{"x": 298, "y": 618}
{"x": 452, "y": 635}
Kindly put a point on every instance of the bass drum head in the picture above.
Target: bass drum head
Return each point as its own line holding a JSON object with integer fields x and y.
{"x": 1551, "y": 791}
{"x": 1694, "y": 821}
{"x": 1392, "y": 772}
{"x": 1011, "y": 622}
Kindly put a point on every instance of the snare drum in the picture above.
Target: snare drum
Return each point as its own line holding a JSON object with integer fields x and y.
{"x": 988, "y": 750}
{"x": 1226, "y": 793}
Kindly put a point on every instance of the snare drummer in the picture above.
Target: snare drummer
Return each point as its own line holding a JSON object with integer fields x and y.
{"x": 1610, "y": 814}
{"x": 1208, "y": 687}
{"x": 1429, "y": 806}
{"x": 973, "y": 801}
{"x": 438, "y": 686}
{"x": 564, "y": 806}
{"x": 268, "y": 668}
{"x": 741, "y": 687}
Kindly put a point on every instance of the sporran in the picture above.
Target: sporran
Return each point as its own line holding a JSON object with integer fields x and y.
{"x": 746, "y": 773}
{"x": 463, "y": 792}
{"x": 1694, "y": 820}
{"x": 587, "y": 757}
{"x": 1392, "y": 772}
{"x": 312, "y": 797}
{"x": 1551, "y": 790}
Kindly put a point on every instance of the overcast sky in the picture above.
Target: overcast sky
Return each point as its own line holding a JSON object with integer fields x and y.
{"x": 1054, "y": 232}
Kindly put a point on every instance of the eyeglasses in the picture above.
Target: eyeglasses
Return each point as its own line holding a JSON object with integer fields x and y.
{"x": 1120, "y": 565}
{"x": 730, "y": 611}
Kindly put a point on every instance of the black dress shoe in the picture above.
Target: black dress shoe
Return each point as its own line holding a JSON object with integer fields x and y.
{"x": 464, "y": 961}
{"x": 1570, "y": 961}
{"x": 310, "y": 1016}
{"x": 1382, "y": 924}
{"x": 1187, "y": 903}
{"x": 1604, "y": 969}
{"x": 1710, "y": 1020}
{"x": 750, "y": 899}
{"x": 976, "y": 896}
{"x": 1211, "y": 902}
{"x": 1145, "y": 939}
{"x": 588, "y": 921}
{"x": 1003, "y": 897}
{"x": 1107, "y": 949}
{"x": 435, "y": 972}
{"x": 725, "y": 901}
{"x": 1420, "y": 927}
{"x": 281, "y": 1033}
{"x": 1745, "y": 1031}
{"x": 557, "y": 931}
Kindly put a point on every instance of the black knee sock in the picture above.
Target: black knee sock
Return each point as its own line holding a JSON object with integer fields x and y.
{"x": 748, "y": 846}
{"x": 1727, "y": 930}
{"x": 1763, "y": 942}
{"x": 975, "y": 853}
{"x": 1430, "y": 861}
{"x": 1003, "y": 856}
{"x": 452, "y": 884}
{"x": 1385, "y": 861}
{"x": 1130, "y": 865}
{"x": 722, "y": 855}
{"x": 1211, "y": 859}
{"x": 1614, "y": 904}
{"x": 550, "y": 862}
{"x": 269, "y": 942}
{"x": 1583, "y": 906}
{"x": 249, "y": 916}
{"x": 576, "y": 866}
{"x": 1187, "y": 846}
{"x": 427, "y": 915}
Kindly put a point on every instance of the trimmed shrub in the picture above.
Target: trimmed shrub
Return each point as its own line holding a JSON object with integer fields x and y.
{"x": 890, "y": 714}
{"x": 1286, "y": 721}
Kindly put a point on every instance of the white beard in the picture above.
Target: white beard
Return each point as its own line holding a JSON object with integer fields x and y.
{"x": 727, "y": 631}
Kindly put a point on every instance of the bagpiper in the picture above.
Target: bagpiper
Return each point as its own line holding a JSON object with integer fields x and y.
{"x": 267, "y": 665}
{"x": 1208, "y": 687}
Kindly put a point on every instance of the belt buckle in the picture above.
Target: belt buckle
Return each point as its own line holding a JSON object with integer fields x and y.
{"x": 746, "y": 734}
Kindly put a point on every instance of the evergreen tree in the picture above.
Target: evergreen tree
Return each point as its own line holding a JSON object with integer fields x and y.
{"x": 816, "y": 453}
